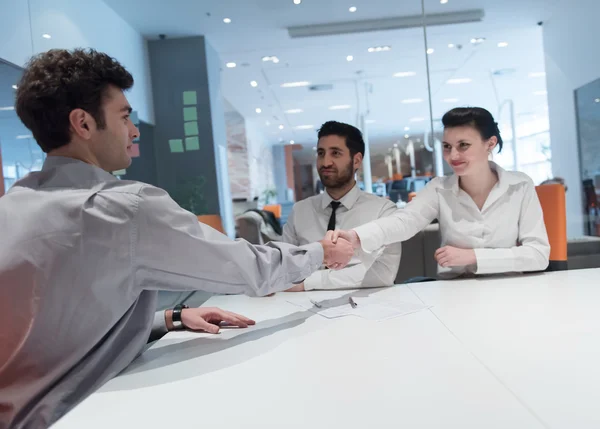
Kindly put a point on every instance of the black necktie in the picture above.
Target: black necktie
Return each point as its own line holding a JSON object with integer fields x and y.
{"x": 334, "y": 207}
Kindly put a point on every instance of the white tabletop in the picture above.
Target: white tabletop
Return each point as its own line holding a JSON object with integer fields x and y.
{"x": 504, "y": 352}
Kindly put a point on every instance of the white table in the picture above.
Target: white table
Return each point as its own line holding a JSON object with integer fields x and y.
{"x": 505, "y": 352}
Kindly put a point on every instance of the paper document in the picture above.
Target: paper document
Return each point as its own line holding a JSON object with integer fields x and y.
{"x": 367, "y": 307}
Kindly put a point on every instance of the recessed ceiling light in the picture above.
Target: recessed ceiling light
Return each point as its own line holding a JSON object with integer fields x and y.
{"x": 379, "y": 48}
{"x": 430, "y": 51}
{"x": 417, "y": 119}
{"x": 477, "y": 40}
{"x": 46, "y": 36}
{"x": 294, "y": 84}
{"x": 297, "y": 1}
{"x": 227, "y": 20}
{"x": 275, "y": 60}
{"x": 443, "y": 1}
{"x": 405, "y": 74}
{"x": 352, "y": 9}
{"x": 340, "y": 107}
{"x": 406, "y": 128}
{"x": 15, "y": 87}
{"x": 314, "y": 148}
{"x": 502, "y": 44}
{"x": 597, "y": 100}
{"x": 304, "y": 127}
{"x": 458, "y": 81}
{"x": 349, "y": 58}
{"x": 450, "y": 100}
{"x": 412, "y": 101}
{"x": 451, "y": 45}
{"x": 258, "y": 110}
{"x": 4, "y": 109}
{"x": 272, "y": 58}
{"x": 254, "y": 84}
{"x": 292, "y": 142}
{"x": 231, "y": 65}
{"x": 406, "y": 136}
{"x": 540, "y": 93}
{"x": 293, "y": 111}
{"x": 281, "y": 127}
{"x": 537, "y": 74}
{"x": 24, "y": 137}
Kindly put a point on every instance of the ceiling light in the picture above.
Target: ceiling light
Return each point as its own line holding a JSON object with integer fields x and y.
{"x": 272, "y": 58}
{"x": 379, "y": 48}
{"x": 417, "y": 119}
{"x": 405, "y": 74}
{"x": 349, "y": 58}
{"x": 297, "y": 1}
{"x": 477, "y": 40}
{"x": 537, "y": 74}
{"x": 15, "y": 87}
{"x": 430, "y": 51}
{"x": 458, "y": 81}
{"x": 540, "y": 93}
{"x": 443, "y": 1}
{"x": 275, "y": 60}
{"x": 314, "y": 148}
{"x": 451, "y": 45}
{"x": 254, "y": 84}
{"x": 450, "y": 100}
{"x": 258, "y": 110}
{"x": 293, "y": 111}
{"x": 352, "y": 9}
{"x": 304, "y": 127}
{"x": 406, "y": 128}
{"x": 265, "y": 59}
{"x": 412, "y": 101}
{"x": 4, "y": 109}
{"x": 406, "y": 136}
{"x": 292, "y": 142}
{"x": 502, "y": 44}
{"x": 231, "y": 65}
{"x": 227, "y": 21}
{"x": 395, "y": 144}
{"x": 281, "y": 127}
{"x": 597, "y": 100}
{"x": 340, "y": 107}
{"x": 294, "y": 84}
{"x": 46, "y": 36}
{"x": 24, "y": 137}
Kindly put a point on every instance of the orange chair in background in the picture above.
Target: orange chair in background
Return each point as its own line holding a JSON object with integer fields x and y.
{"x": 275, "y": 209}
{"x": 552, "y": 199}
{"x": 214, "y": 221}
{"x": 411, "y": 195}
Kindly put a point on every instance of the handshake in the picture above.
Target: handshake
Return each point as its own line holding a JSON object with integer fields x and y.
{"x": 338, "y": 248}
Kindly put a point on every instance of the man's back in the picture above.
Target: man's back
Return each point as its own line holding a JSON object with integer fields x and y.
{"x": 70, "y": 318}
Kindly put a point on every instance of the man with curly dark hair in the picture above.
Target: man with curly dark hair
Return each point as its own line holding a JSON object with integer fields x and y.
{"x": 83, "y": 254}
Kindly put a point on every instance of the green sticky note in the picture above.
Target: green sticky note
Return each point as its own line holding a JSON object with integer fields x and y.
{"x": 176, "y": 145}
{"x": 190, "y": 114}
{"x": 120, "y": 173}
{"x": 191, "y": 128}
{"x": 190, "y": 98}
{"x": 192, "y": 143}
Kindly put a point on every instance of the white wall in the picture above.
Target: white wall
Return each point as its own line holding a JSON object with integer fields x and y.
{"x": 572, "y": 59}
{"x": 260, "y": 159}
{"x": 89, "y": 23}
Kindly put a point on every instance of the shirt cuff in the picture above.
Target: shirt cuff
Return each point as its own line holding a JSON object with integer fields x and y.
{"x": 371, "y": 237}
{"x": 494, "y": 261}
{"x": 159, "y": 326}
{"x": 315, "y": 254}
{"x": 314, "y": 281}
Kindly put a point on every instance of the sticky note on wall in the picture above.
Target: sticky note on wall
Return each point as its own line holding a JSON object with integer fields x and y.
{"x": 176, "y": 145}
{"x": 191, "y": 128}
{"x": 190, "y": 114}
{"x": 192, "y": 143}
{"x": 190, "y": 98}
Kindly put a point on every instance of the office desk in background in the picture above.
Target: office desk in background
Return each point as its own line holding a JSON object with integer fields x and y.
{"x": 504, "y": 352}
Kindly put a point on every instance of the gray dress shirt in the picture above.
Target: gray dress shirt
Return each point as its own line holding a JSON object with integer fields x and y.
{"x": 82, "y": 256}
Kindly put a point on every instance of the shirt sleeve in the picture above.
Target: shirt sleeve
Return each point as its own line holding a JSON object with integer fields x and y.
{"x": 533, "y": 251}
{"x": 403, "y": 223}
{"x": 159, "y": 326}
{"x": 172, "y": 251}
{"x": 289, "y": 230}
{"x": 375, "y": 269}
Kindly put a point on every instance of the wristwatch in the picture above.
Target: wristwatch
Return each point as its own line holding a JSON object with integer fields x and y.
{"x": 176, "y": 318}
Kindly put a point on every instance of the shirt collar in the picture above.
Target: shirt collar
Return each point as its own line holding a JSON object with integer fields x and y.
{"x": 347, "y": 200}
{"x": 505, "y": 179}
{"x": 53, "y": 162}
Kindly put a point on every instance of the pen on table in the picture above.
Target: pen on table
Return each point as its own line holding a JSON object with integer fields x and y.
{"x": 352, "y": 303}
{"x": 315, "y": 303}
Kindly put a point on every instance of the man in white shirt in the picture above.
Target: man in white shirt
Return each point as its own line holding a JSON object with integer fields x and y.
{"x": 343, "y": 205}
{"x": 83, "y": 254}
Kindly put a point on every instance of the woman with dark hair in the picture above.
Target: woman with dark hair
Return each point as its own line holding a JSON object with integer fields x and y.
{"x": 490, "y": 219}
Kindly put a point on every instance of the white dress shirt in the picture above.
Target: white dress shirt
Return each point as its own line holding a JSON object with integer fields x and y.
{"x": 508, "y": 234}
{"x": 82, "y": 257}
{"x": 308, "y": 222}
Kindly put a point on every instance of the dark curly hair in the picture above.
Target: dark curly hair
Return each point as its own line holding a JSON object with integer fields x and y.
{"x": 476, "y": 117}
{"x": 57, "y": 82}
{"x": 353, "y": 136}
